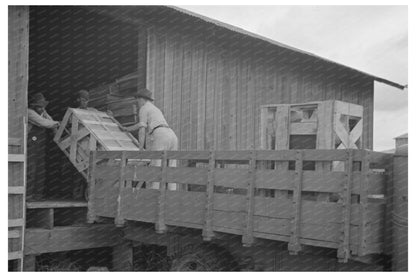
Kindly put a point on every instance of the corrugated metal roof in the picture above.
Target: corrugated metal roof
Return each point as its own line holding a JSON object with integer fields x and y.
{"x": 278, "y": 44}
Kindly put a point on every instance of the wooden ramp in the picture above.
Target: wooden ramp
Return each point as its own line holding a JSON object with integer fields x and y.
{"x": 82, "y": 131}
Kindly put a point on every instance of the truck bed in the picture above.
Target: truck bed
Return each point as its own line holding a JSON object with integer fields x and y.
{"x": 278, "y": 195}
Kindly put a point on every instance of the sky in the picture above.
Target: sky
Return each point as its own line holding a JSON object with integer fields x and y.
{"x": 373, "y": 39}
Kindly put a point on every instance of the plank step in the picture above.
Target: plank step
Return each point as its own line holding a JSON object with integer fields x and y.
{"x": 15, "y": 255}
{"x": 16, "y": 222}
{"x": 16, "y": 158}
{"x": 17, "y": 190}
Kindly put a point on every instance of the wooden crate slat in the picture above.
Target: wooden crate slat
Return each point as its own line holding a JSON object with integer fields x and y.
{"x": 304, "y": 128}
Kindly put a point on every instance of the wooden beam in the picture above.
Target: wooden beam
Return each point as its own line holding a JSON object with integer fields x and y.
{"x": 38, "y": 241}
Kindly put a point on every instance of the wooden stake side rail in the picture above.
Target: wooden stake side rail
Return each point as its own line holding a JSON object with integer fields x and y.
{"x": 353, "y": 225}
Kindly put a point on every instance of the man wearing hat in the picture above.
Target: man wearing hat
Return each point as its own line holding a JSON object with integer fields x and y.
{"x": 83, "y": 97}
{"x": 152, "y": 124}
{"x": 39, "y": 121}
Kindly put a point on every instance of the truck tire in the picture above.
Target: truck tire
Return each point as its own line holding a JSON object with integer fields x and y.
{"x": 205, "y": 257}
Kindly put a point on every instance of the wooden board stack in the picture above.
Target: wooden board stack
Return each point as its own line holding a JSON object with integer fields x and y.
{"x": 117, "y": 97}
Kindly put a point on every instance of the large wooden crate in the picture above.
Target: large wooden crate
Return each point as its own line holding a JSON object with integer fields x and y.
{"x": 316, "y": 125}
{"x": 82, "y": 131}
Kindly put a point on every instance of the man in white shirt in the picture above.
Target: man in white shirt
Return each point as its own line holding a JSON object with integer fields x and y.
{"x": 39, "y": 121}
{"x": 153, "y": 124}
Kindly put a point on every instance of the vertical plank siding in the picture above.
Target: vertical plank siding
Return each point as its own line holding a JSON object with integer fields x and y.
{"x": 215, "y": 88}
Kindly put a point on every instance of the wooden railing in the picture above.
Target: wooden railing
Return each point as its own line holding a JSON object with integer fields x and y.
{"x": 350, "y": 220}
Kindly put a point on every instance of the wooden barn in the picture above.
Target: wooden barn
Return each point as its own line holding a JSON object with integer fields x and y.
{"x": 210, "y": 80}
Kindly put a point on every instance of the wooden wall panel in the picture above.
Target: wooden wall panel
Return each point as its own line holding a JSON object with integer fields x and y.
{"x": 18, "y": 69}
{"x": 217, "y": 89}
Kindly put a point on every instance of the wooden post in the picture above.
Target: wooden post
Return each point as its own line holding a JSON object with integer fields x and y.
{"x": 119, "y": 221}
{"x": 344, "y": 246}
{"x": 160, "y": 222}
{"x": 208, "y": 232}
{"x": 365, "y": 170}
{"x": 248, "y": 232}
{"x": 123, "y": 257}
{"x": 294, "y": 245}
{"x": 91, "y": 215}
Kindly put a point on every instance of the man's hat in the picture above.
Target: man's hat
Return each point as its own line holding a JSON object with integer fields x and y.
{"x": 144, "y": 93}
{"x": 38, "y": 100}
{"x": 83, "y": 94}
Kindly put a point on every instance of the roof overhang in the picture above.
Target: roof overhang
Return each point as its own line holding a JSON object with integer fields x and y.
{"x": 278, "y": 44}
{"x": 123, "y": 13}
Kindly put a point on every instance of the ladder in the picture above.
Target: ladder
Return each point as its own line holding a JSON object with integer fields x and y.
{"x": 17, "y": 199}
